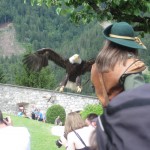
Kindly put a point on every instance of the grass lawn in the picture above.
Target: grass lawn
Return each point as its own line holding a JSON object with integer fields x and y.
{"x": 41, "y": 137}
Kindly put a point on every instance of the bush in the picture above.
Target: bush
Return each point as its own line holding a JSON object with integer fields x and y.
{"x": 91, "y": 108}
{"x": 53, "y": 112}
{"x": 147, "y": 77}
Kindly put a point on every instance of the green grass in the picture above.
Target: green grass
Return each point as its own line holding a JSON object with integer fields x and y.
{"x": 41, "y": 137}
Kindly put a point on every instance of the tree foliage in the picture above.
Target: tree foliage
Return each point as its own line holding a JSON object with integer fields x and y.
{"x": 2, "y": 75}
{"x": 40, "y": 26}
{"x": 43, "y": 79}
{"x": 12, "y": 71}
{"x": 136, "y": 12}
{"x": 91, "y": 108}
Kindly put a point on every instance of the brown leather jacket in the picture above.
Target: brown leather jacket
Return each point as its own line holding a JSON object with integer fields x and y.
{"x": 107, "y": 84}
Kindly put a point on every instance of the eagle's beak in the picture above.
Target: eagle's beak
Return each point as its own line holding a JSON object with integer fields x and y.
{"x": 76, "y": 58}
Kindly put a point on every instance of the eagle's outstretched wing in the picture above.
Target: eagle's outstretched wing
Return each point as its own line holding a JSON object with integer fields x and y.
{"x": 40, "y": 58}
{"x": 87, "y": 65}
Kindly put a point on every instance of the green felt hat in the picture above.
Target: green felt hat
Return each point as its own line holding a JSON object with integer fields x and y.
{"x": 123, "y": 34}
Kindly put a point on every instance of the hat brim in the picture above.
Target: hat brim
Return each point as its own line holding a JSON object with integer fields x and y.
{"x": 124, "y": 42}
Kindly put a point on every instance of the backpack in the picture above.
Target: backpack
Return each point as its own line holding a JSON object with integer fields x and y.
{"x": 125, "y": 123}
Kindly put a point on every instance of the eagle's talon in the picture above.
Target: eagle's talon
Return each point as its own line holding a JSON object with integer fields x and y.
{"x": 61, "y": 89}
{"x": 79, "y": 89}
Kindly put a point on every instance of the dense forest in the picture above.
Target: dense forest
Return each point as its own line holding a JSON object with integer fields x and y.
{"x": 40, "y": 26}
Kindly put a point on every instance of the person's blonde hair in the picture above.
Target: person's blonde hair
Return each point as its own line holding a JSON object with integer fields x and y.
{"x": 113, "y": 53}
{"x": 73, "y": 121}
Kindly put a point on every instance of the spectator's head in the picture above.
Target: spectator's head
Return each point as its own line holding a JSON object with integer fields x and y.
{"x": 91, "y": 119}
{"x": 73, "y": 122}
{"x": 1, "y": 117}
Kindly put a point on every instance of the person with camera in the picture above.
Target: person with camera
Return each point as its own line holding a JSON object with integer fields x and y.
{"x": 13, "y": 138}
{"x": 77, "y": 133}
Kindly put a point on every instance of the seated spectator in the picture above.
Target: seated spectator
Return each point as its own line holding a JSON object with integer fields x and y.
{"x": 40, "y": 115}
{"x": 58, "y": 121}
{"x": 91, "y": 120}
{"x": 77, "y": 132}
{"x": 13, "y": 138}
{"x": 20, "y": 113}
{"x": 36, "y": 113}
{"x": 44, "y": 117}
{"x": 33, "y": 115}
{"x": 33, "y": 112}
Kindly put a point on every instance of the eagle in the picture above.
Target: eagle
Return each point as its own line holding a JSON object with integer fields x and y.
{"x": 75, "y": 67}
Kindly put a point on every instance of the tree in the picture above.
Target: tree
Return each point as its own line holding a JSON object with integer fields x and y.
{"x": 43, "y": 79}
{"x": 91, "y": 108}
{"x": 2, "y": 77}
{"x": 136, "y": 12}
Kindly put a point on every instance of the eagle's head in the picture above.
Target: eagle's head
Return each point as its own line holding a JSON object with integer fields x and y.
{"x": 75, "y": 59}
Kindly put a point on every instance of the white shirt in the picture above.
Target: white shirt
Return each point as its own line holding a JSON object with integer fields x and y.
{"x": 14, "y": 138}
{"x": 73, "y": 141}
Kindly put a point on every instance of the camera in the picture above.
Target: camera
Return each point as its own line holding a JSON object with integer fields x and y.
{"x": 59, "y": 143}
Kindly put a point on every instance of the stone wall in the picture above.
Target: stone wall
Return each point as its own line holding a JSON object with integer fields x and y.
{"x": 11, "y": 97}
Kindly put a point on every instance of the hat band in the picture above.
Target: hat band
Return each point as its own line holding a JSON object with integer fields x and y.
{"x": 136, "y": 39}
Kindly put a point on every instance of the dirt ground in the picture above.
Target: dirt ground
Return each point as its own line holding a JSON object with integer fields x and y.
{"x": 8, "y": 43}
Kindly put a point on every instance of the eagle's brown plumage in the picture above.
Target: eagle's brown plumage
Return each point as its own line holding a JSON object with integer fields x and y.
{"x": 40, "y": 59}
